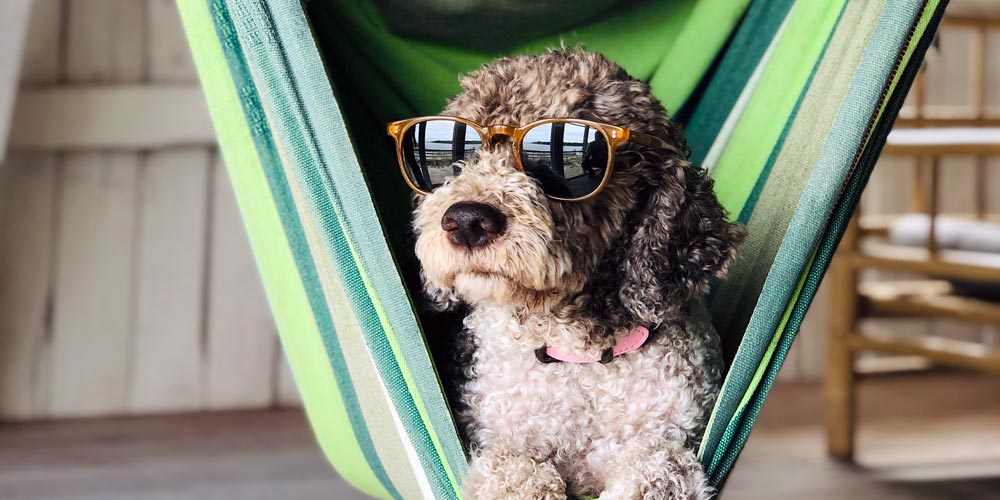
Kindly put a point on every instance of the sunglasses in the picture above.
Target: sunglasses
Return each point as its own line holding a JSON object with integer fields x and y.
{"x": 571, "y": 159}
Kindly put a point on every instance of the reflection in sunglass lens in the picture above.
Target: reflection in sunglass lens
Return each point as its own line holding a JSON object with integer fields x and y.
{"x": 431, "y": 149}
{"x": 568, "y": 159}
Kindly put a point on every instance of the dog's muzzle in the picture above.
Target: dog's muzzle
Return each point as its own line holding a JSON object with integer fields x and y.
{"x": 470, "y": 224}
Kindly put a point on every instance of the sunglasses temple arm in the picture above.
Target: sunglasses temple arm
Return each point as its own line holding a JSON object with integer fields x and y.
{"x": 651, "y": 141}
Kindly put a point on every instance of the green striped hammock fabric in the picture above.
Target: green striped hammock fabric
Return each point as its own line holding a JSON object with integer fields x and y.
{"x": 786, "y": 102}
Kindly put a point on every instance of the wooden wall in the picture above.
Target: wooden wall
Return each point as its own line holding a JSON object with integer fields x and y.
{"x": 127, "y": 281}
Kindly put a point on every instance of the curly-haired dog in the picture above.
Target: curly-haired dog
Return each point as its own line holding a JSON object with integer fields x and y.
{"x": 579, "y": 276}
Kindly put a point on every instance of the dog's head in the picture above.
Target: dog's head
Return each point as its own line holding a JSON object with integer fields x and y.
{"x": 636, "y": 253}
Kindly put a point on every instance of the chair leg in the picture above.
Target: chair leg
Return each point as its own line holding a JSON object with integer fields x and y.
{"x": 839, "y": 391}
{"x": 840, "y": 399}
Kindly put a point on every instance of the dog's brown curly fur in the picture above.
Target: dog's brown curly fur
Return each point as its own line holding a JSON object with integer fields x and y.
{"x": 580, "y": 275}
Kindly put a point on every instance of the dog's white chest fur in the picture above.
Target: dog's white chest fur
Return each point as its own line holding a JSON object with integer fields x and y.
{"x": 584, "y": 417}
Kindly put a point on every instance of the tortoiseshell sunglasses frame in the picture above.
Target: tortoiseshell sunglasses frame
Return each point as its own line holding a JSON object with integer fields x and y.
{"x": 615, "y": 136}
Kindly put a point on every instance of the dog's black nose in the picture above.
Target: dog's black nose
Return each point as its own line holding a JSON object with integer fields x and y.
{"x": 470, "y": 224}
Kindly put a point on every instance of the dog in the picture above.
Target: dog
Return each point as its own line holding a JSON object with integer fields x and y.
{"x": 587, "y": 364}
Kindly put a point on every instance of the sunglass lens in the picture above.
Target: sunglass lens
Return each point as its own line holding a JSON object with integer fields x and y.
{"x": 433, "y": 148}
{"x": 568, "y": 159}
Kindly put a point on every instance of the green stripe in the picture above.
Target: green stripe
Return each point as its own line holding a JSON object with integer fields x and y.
{"x": 770, "y": 108}
{"x": 284, "y": 92}
{"x": 914, "y": 57}
{"x": 720, "y": 465}
{"x": 736, "y": 113}
{"x": 735, "y": 298}
{"x": 791, "y": 170}
{"x": 271, "y": 164}
{"x": 388, "y": 304}
{"x": 375, "y": 408}
{"x": 280, "y": 275}
{"x": 758, "y": 188}
{"x": 750, "y": 42}
{"x": 702, "y": 36}
{"x": 817, "y": 202}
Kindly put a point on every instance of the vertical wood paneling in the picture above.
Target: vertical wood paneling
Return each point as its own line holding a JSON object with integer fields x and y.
{"x": 95, "y": 276}
{"x": 26, "y": 218}
{"x": 956, "y": 195}
{"x": 956, "y": 184}
{"x": 40, "y": 64}
{"x": 14, "y": 15}
{"x": 92, "y": 329}
{"x": 28, "y": 185}
{"x": 106, "y": 40}
{"x": 139, "y": 321}
{"x": 991, "y": 73}
{"x": 888, "y": 190}
{"x": 948, "y": 79}
{"x": 993, "y": 185}
{"x": 240, "y": 333}
{"x": 169, "y": 56}
{"x": 167, "y": 362}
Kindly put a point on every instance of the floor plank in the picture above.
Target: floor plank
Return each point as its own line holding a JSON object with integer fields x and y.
{"x": 922, "y": 437}
{"x": 247, "y": 455}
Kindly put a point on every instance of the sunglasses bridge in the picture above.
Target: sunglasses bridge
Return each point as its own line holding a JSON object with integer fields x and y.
{"x": 494, "y": 133}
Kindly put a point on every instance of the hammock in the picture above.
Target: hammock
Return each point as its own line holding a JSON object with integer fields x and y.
{"x": 786, "y": 102}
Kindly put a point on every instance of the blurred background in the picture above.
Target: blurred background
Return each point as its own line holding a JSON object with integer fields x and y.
{"x": 124, "y": 270}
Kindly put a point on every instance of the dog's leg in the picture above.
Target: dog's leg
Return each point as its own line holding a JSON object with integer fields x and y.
{"x": 502, "y": 474}
{"x": 668, "y": 473}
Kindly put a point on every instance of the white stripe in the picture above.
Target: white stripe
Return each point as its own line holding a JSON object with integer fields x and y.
{"x": 722, "y": 139}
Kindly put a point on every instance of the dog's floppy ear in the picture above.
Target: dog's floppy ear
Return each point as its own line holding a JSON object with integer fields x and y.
{"x": 680, "y": 241}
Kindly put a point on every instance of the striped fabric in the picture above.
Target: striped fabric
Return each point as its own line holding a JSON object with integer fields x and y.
{"x": 787, "y": 102}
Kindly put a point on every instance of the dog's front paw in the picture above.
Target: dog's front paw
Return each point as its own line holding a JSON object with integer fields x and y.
{"x": 504, "y": 475}
{"x": 671, "y": 473}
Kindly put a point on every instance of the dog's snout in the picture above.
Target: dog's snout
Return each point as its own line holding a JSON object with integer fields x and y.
{"x": 470, "y": 224}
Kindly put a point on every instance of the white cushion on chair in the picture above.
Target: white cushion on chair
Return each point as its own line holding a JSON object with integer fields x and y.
{"x": 950, "y": 233}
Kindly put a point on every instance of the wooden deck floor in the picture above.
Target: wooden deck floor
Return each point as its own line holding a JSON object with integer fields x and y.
{"x": 922, "y": 438}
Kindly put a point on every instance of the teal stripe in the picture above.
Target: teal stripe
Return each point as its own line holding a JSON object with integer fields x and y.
{"x": 817, "y": 202}
{"x": 287, "y": 115}
{"x": 270, "y": 160}
{"x": 756, "y": 31}
{"x": 828, "y": 246}
{"x": 765, "y": 173}
{"x": 343, "y": 179}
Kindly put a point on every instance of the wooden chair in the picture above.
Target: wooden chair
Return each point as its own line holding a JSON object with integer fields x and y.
{"x": 852, "y": 300}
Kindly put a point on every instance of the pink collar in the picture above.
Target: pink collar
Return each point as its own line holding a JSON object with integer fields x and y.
{"x": 632, "y": 342}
